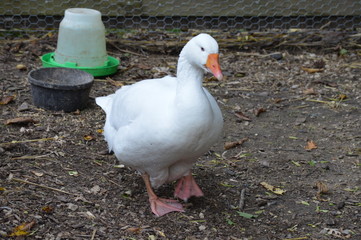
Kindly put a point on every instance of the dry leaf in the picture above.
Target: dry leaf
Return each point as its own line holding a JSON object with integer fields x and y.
{"x": 242, "y": 116}
{"x": 115, "y": 83}
{"x": 273, "y": 189}
{"x": 20, "y": 120}
{"x": 76, "y": 112}
{"x": 21, "y": 67}
{"x": 7, "y": 100}
{"x": 342, "y": 97}
{"x": 321, "y": 189}
{"x": 312, "y": 70}
{"x": 258, "y": 111}
{"x": 309, "y": 91}
{"x": 89, "y": 137}
{"x": 48, "y": 209}
{"x": 89, "y": 215}
{"x": 229, "y": 145}
{"x": 135, "y": 230}
{"x": 143, "y": 66}
{"x": 38, "y": 174}
{"x": 100, "y": 131}
{"x": 310, "y": 145}
{"x": 278, "y": 100}
{"x": 22, "y": 230}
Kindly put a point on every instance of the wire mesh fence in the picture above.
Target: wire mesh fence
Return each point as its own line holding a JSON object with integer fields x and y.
{"x": 33, "y": 15}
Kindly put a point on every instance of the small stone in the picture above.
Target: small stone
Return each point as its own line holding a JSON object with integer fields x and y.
{"x": 265, "y": 163}
{"x": 263, "y": 94}
{"x": 277, "y": 56}
{"x": 72, "y": 206}
{"x": 202, "y": 228}
{"x": 346, "y": 232}
{"x": 23, "y": 107}
{"x": 331, "y": 222}
{"x": 95, "y": 189}
{"x": 340, "y": 205}
{"x": 300, "y": 120}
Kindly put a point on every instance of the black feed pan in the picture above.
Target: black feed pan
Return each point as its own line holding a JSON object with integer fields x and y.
{"x": 60, "y": 89}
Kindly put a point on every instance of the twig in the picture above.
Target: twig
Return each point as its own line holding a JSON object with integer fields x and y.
{"x": 242, "y": 199}
{"x": 31, "y": 157}
{"x": 47, "y": 34}
{"x": 318, "y": 101}
{"x": 31, "y": 140}
{"x": 43, "y": 186}
{"x": 297, "y": 238}
{"x": 93, "y": 234}
{"x": 114, "y": 182}
{"x": 124, "y": 50}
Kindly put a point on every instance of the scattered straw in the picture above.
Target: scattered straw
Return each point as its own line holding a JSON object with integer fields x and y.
{"x": 43, "y": 186}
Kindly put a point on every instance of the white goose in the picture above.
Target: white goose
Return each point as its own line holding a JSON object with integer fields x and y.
{"x": 161, "y": 126}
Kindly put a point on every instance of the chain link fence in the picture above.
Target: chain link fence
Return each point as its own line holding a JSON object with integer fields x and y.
{"x": 35, "y": 15}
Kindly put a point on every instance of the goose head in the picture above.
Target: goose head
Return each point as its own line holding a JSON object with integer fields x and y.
{"x": 202, "y": 52}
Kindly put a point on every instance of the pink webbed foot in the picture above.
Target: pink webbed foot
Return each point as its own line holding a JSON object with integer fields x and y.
{"x": 187, "y": 187}
{"x": 160, "y": 206}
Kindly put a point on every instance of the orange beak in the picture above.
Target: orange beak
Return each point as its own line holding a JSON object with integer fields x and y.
{"x": 213, "y": 65}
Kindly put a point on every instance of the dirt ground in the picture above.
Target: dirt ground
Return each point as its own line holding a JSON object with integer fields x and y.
{"x": 297, "y": 110}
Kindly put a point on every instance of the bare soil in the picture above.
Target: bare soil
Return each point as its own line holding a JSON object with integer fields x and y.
{"x": 303, "y": 134}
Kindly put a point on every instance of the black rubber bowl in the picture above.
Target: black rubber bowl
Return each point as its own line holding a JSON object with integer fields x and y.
{"x": 60, "y": 89}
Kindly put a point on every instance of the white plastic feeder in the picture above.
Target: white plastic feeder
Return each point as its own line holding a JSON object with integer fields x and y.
{"x": 81, "y": 39}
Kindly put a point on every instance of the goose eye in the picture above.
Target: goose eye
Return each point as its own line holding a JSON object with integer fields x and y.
{"x": 202, "y": 48}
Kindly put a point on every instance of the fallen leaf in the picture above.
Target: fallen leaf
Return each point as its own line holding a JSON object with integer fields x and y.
{"x": 100, "y": 131}
{"x": 143, "y": 66}
{"x": 242, "y": 116}
{"x": 135, "y": 230}
{"x": 278, "y": 100}
{"x": 273, "y": 189}
{"x": 258, "y": 111}
{"x": 321, "y": 189}
{"x": 7, "y": 100}
{"x": 2, "y": 189}
{"x": 229, "y": 145}
{"x": 312, "y": 70}
{"x": 161, "y": 233}
{"x": 73, "y": 173}
{"x": 296, "y": 163}
{"x": 89, "y": 137}
{"x": 309, "y": 91}
{"x": 310, "y": 145}
{"x": 305, "y": 203}
{"x": 21, "y": 67}
{"x": 76, "y": 112}
{"x": 115, "y": 83}
{"x": 20, "y": 120}
{"x": 22, "y": 230}
{"x": 246, "y": 215}
{"x": 48, "y": 209}
{"x": 88, "y": 215}
{"x": 342, "y": 97}
{"x": 38, "y": 174}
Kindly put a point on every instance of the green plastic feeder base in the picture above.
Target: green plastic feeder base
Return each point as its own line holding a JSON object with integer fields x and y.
{"x": 110, "y": 66}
